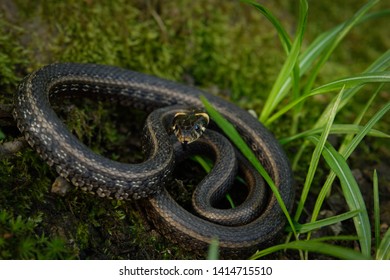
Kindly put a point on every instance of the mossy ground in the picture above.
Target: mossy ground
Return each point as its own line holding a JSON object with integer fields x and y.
{"x": 224, "y": 47}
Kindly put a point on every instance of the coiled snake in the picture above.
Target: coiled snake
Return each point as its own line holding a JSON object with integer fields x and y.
{"x": 251, "y": 225}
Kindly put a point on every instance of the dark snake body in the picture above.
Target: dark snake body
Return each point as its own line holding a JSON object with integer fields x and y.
{"x": 107, "y": 178}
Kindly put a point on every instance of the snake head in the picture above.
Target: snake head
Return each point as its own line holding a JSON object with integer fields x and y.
{"x": 188, "y": 126}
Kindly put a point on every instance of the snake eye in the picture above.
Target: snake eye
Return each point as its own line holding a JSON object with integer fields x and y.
{"x": 197, "y": 127}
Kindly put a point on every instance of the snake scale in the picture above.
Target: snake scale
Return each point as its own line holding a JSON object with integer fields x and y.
{"x": 147, "y": 182}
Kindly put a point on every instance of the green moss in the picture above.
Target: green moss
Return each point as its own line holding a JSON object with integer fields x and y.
{"x": 12, "y": 59}
{"x": 181, "y": 40}
{"x": 18, "y": 239}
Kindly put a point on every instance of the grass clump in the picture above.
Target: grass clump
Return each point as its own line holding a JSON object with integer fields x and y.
{"x": 289, "y": 85}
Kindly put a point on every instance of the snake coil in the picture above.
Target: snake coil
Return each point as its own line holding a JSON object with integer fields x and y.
{"x": 74, "y": 161}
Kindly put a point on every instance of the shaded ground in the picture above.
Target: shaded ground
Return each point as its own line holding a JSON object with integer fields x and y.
{"x": 227, "y": 49}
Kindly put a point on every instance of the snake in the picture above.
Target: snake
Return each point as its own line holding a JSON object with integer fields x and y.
{"x": 256, "y": 223}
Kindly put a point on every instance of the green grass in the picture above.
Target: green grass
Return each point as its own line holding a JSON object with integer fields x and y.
{"x": 326, "y": 78}
{"x": 336, "y": 160}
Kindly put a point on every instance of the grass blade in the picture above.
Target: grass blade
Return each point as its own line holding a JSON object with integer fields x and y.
{"x": 323, "y": 58}
{"x": 316, "y": 158}
{"x": 276, "y": 94}
{"x": 353, "y": 81}
{"x": 322, "y": 42}
{"x": 383, "y": 252}
{"x": 348, "y": 82}
{"x": 283, "y": 35}
{"x": 213, "y": 252}
{"x": 286, "y": 43}
{"x": 303, "y": 228}
{"x": 335, "y": 129}
{"x": 318, "y": 247}
{"x": 352, "y": 194}
{"x": 358, "y": 138}
{"x": 376, "y": 210}
{"x": 321, "y": 49}
{"x": 346, "y": 152}
{"x": 315, "y": 49}
{"x": 346, "y": 27}
{"x": 381, "y": 64}
{"x": 322, "y": 120}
